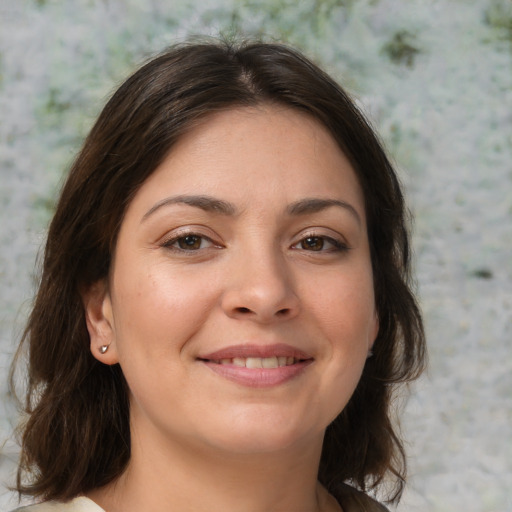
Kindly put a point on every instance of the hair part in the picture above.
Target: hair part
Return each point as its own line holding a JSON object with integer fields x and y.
{"x": 76, "y": 437}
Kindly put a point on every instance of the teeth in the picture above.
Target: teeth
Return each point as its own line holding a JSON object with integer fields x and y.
{"x": 237, "y": 361}
{"x": 269, "y": 362}
{"x": 259, "y": 362}
{"x": 254, "y": 362}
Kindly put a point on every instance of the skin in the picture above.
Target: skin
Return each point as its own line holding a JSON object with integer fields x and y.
{"x": 254, "y": 273}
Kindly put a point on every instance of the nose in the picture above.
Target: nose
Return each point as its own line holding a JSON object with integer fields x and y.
{"x": 261, "y": 289}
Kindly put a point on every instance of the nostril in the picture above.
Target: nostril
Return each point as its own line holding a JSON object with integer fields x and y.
{"x": 281, "y": 312}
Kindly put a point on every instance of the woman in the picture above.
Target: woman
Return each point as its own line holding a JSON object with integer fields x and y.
{"x": 224, "y": 307}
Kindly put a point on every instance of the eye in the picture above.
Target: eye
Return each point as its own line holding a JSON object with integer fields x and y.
{"x": 320, "y": 243}
{"x": 312, "y": 243}
{"x": 188, "y": 242}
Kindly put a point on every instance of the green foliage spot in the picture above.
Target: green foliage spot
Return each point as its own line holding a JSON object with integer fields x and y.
{"x": 483, "y": 273}
{"x": 44, "y": 207}
{"x": 499, "y": 16}
{"x": 401, "y": 48}
{"x": 54, "y": 103}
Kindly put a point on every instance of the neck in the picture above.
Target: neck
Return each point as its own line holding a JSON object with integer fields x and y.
{"x": 164, "y": 476}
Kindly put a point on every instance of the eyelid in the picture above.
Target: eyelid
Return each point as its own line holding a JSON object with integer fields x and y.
{"x": 338, "y": 242}
{"x": 175, "y": 235}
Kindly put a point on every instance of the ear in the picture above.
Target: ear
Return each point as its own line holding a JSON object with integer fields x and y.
{"x": 100, "y": 322}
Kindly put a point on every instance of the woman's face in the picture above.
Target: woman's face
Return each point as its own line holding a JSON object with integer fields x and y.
{"x": 240, "y": 304}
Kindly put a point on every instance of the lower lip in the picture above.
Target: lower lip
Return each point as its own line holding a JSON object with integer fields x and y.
{"x": 258, "y": 377}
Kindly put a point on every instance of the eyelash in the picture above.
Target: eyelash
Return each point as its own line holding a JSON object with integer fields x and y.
{"x": 170, "y": 243}
{"x": 336, "y": 245}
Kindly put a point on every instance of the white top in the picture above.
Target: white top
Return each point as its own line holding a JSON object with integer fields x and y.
{"x": 353, "y": 501}
{"x": 80, "y": 504}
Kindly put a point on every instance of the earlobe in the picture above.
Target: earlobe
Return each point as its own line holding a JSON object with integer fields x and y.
{"x": 100, "y": 322}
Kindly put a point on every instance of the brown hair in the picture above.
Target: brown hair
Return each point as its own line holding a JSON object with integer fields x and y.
{"x": 76, "y": 436}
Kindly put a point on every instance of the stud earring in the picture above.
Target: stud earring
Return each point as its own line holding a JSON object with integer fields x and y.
{"x": 103, "y": 349}
{"x": 370, "y": 354}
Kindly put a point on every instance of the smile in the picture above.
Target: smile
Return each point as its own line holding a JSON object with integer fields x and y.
{"x": 259, "y": 362}
{"x": 258, "y": 366}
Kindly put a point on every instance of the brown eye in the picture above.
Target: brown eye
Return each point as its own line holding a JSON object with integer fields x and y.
{"x": 312, "y": 243}
{"x": 189, "y": 242}
{"x": 321, "y": 244}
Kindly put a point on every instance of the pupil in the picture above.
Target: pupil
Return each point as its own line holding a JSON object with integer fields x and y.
{"x": 313, "y": 242}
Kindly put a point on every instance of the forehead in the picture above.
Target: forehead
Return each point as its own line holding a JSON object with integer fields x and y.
{"x": 255, "y": 155}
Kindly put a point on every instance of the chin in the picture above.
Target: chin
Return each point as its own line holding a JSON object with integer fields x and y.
{"x": 265, "y": 435}
{"x": 259, "y": 445}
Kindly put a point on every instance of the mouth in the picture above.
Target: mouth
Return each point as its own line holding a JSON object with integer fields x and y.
{"x": 258, "y": 362}
{"x": 258, "y": 365}
{"x": 279, "y": 354}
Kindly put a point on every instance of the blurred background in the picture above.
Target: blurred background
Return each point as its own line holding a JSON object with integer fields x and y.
{"x": 435, "y": 79}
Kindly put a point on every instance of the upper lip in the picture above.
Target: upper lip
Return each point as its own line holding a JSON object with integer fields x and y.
{"x": 254, "y": 350}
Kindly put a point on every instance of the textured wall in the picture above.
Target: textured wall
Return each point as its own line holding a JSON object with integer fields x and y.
{"x": 436, "y": 79}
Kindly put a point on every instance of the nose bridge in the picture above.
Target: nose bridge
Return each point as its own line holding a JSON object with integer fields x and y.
{"x": 261, "y": 283}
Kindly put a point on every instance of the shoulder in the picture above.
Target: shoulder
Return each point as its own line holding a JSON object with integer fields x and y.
{"x": 80, "y": 504}
{"x": 353, "y": 500}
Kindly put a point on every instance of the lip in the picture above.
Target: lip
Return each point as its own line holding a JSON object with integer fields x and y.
{"x": 257, "y": 377}
{"x": 277, "y": 350}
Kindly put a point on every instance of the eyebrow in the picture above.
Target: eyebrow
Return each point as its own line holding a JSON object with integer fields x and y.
{"x": 206, "y": 203}
{"x": 211, "y": 204}
{"x": 314, "y": 205}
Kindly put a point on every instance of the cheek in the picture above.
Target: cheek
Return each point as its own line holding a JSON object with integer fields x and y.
{"x": 348, "y": 319}
{"x": 156, "y": 314}
{"x": 158, "y": 309}
{"x": 345, "y": 306}
{"x": 345, "y": 315}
